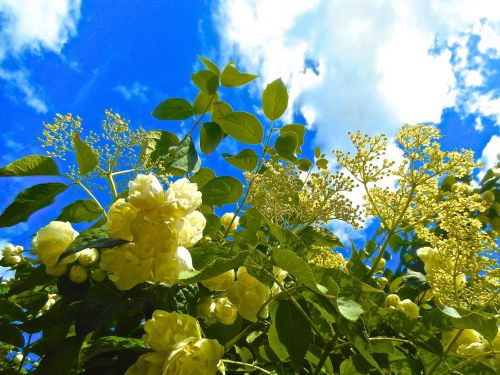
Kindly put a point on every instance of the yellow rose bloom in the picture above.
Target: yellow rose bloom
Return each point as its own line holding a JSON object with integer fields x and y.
{"x": 153, "y": 233}
{"x": 166, "y": 329}
{"x": 148, "y": 364}
{"x": 78, "y": 274}
{"x": 87, "y": 257}
{"x": 220, "y": 282}
{"x": 224, "y": 311}
{"x": 167, "y": 266}
{"x": 51, "y": 241}
{"x": 249, "y": 299}
{"x": 190, "y": 228}
{"x": 145, "y": 191}
{"x": 409, "y": 307}
{"x": 120, "y": 217}
{"x": 196, "y": 357}
{"x": 226, "y": 219}
{"x": 181, "y": 198}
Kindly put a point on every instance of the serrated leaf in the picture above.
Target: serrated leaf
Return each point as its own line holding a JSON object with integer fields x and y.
{"x": 156, "y": 144}
{"x": 215, "y": 267}
{"x": 31, "y": 165}
{"x": 275, "y": 100}
{"x": 29, "y": 201}
{"x": 286, "y": 144}
{"x": 210, "y": 137}
{"x": 97, "y": 238}
{"x": 173, "y": 109}
{"x": 246, "y": 160}
{"x": 284, "y": 316}
{"x": 242, "y": 126}
{"x": 185, "y": 158}
{"x": 206, "y": 80}
{"x": 295, "y": 266}
{"x": 86, "y": 157}
{"x": 203, "y": 176}
{"x": 210, "y": 65}
{"x": 221, "y": 190}
{"x": 351, "y": 310}
{"x": 232, "y": 77}
{"x": 80, "y": 210}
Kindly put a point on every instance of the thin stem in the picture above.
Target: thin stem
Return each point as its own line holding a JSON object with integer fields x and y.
{"x": 240, "y": 335}
{"x": 473, "y": 358}
{"x": 255, "y": 367}
{"x": 89, "y": 193}
{"x": 202, "y": 115}
{"x": 25, "y": 353}
{"x": 326, "y": 352}
{"x": 112, "y": 184}
{"x": 446, "y": 350}
{"x": 123, "y": 172}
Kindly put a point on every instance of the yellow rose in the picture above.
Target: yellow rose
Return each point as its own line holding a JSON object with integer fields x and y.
{"x": 196, "y": 357}
{"x": 153, "y": 233}
{"x": 87, "y": 257}
{"x": 51, "y": 241}
{"x": 120, "y": 217}
{"x": 220, "y": 282}
{"x": 205, "y": 308}
{"x": 249, "y": 299}
{"x": 10, "y": 250}
{"x": 409, "y": 307}
{"x": 12, "y": 260}
{"x": 225, "y": 311}
{"x": 182, "y": 198}
{"x": 226, "y": 219}
{"x": 148, "y": 364}
{"x": 167, "y": 266}
{"x": 431, "y": 257}
{"x": 392, "y": 300}
{"x": 145, "y": 191}
{"x": 190, "y": 228}
{"x": 57, "y": 270}
{"x": 466, "y": 338}
{"x": 245, "y": 279}
{"x": 78, "y": 274}
{"x": 125, "y": 267}
{"x": 166, "y": 329}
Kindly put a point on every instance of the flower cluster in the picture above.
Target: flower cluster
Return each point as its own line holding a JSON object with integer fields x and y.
{"x": 178, "y": 347}
{"x": 11, "y": 255}
{"x": 324, "y": 257}
{"x": 159, "y": 225}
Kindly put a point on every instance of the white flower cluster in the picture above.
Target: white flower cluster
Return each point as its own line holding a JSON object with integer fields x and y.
{"x": 160, "y": 225}
{"x": 11, "y": 254}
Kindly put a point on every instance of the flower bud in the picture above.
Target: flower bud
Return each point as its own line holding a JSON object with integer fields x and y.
{"x": 87, "y": 257}
{"x": 225, "y": 311}
{"x": 226, "y": 220}
{"x": 78, "y": 274}
{"x": 57, "y": 270}
{"x": 145, "y": 191}
{"x": 10, "y": 250}
{"x": 12, "y": 260}
{"x": 205, "y": 308}
{"x": 195, "y": 356}
{"x": 18, "y": 358}
{"x": 99, "y": 275}
{"x": 220, "y": 282}
{"x": 380, "y": 264}
{"x": 409, "y": 307}
{"x": 392, "y": 300}
{"x": 382, "y": 282}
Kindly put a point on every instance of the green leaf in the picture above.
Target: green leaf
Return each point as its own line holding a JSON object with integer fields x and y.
{"x": 31, "y": 165}
{"x": 11, "y": 311}
{"x": 275, "y": 100}
{"x": 297, "y": 129}
{"x": 210, "y": 65}
{"x": 213, "y": 225}
{"x": 203, "y": 176}
{"x": 173, "y": 109}
{"x": 206, "y": 80}
{"x": 37, "y": 276}
{"x": 358, "y": 337}
{"x": 304, "y": 165}
{"x": 10, "y": 334}
{"x": 293, "y": 331}
{"x": 220, "y": 109}
{"x": 214, "y": 268}
{"x": 232, "y": 77}
{"x": 295, "y": 266}
{"x": 286, "y": 144}
{"x": 246, "y": 160}
{"x": 61, "y": 358}
{"x": 242, "y": 126}
{"x": 80, "y": 210}
{"x": 156, "y": 144}
{"x": 349, "y": 309}
{"x": 185, "y": 158}
{"x": 210, "y": 136}
{"x": 96, "y": 238}
{"x": 114, "y": 343}
{"x": 85, "y": 156}
{"x": 29, "y": 201}
{"x": 319, "y": 236}
{"x": 204, "y": 102}
{"x": 287, "y": 238}
{"x": 221, "y": 190}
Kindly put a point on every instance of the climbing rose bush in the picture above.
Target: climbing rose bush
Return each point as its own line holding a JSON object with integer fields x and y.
{"x": 160, "y": 265}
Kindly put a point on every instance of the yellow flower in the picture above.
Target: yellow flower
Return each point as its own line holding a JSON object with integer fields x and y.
{"x": 196, "y": 357}
{"x": 153, "y": 233}
{"x": 225, "y": 311}
{"x": 182, "y": 198}
{"x": 10, "y": 250}
{"x": 87, "y": 257}
{"x": 57, "y": 270}
{"x": 431, "y": 257}
{"x": 99, "y": 275}
{"x": 145, "y": 191}
{"x": 167, "y": 266}
{"x": 220, "y": 282}
{"x": 249, "y": 295}
{"x": 392, "y": 300}
{"x": 51, "y": 241}
{"x": 148, "y": 364}
{"x": 409, "y": 307}
{"x": 166, "y": 329}
{"x": 205, "y": 308}
{"x": 226, "y": 220}
{"x": 191, "y": 228}
{"x": 468, "y": 343}
{"x": 78, "y": 274}
{"x": 120, "y": 217}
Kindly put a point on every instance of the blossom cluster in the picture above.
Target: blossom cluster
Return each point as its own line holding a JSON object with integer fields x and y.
{"x": 178, "y": 347}
{"x": 159, "y": 225}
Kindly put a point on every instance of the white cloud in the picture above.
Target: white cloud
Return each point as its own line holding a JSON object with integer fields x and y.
{"x": 353, "y": 64}
{"x": 33, "y": 26}
{"x": 134, "y": 91}
{"x": 491, "y": 155}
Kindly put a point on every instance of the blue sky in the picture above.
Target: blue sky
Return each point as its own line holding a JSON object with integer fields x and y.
{"x": 349, "y": 64}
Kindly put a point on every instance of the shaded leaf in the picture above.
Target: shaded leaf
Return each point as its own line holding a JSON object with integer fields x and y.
{"x": 246, "y": 160}
{"x": 31, "y": 165}
{"x": 221, "y": 190}
{"x": 349, "y": 309}
{"x": 185, "y": 158}
{"x": 220, "y": 109}
{"x": 295, "y": 266}
{"x": 113, "y": 344}
{"x": 80, "y": 210}
{"x": 286, "y": 144}
{"x": 29, "y": 201}
{"x": 204, "y": 102}
{"x": 297, "y": 129}
{"x": 61, "y": 358}
{"x": 173, "y": 109}
{"x": 203, "y": 176}
{"x": 210, "y": 136}
{"x": 242, "y": 126}
{"x": 319, "y": 236}
{"x": 156, "y": 144}
{"x": 10, "y": 334}
{"x": 214, "y": 268}
{"x": 206, "y": 80}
